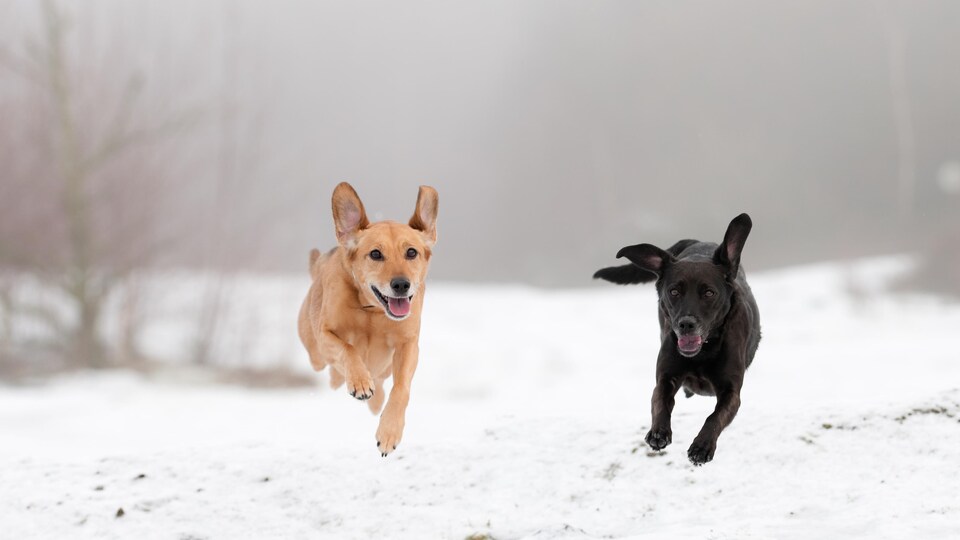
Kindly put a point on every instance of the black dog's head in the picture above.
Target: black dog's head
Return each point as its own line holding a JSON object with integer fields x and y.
{"x": 696, "y": 290}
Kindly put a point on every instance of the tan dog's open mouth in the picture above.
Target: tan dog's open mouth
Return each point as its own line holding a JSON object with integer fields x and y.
{"x": 396, "y": 308}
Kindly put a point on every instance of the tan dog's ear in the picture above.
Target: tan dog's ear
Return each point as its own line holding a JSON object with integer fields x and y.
{"x": 425, "y": 215}
{"x": 349, "y": 217}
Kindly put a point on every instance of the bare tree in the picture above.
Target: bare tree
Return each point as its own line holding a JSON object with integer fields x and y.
{"x": 93, "y": 183}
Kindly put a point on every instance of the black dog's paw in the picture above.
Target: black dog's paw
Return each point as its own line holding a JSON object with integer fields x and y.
{"x": 701, "y": 452}
{"x": 658, "y": 439}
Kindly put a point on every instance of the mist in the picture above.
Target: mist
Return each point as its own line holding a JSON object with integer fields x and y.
{"x": 555, "y": 132}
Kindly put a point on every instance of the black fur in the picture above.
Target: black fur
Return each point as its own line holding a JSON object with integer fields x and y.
{"x": 709, "y": 327}
{"x": 631, "y": 274}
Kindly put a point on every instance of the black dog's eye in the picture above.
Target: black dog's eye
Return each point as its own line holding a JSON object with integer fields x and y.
{"x": 709, "y": 293}
{"x": 376, "y": 255}
{"x": 674, "y": 292}
{"x": 411, "y": 253}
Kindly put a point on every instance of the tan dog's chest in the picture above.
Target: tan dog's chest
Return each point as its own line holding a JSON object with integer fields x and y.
{"x": 375, "y": 345}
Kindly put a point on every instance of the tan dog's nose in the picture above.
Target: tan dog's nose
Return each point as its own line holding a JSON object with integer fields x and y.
{"x": 400, "y": 286}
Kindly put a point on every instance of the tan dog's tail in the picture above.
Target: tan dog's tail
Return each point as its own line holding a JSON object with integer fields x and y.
{"x": 314, "y": 267}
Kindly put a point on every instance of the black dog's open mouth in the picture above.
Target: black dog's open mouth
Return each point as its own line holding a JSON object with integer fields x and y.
{"x": 689, "y": 345}
{"x": 397, "y": 308}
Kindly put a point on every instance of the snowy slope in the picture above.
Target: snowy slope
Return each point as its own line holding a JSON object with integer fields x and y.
{"x": 526, "y": 421}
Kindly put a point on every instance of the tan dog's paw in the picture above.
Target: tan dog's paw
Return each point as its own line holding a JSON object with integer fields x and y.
{"x": 388, "y": 435}
{"x": 360, "y": 386}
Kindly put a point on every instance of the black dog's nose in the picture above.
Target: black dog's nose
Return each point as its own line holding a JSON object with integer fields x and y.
{"x": 687, "y": 325}
{"x": 400, "y": 286}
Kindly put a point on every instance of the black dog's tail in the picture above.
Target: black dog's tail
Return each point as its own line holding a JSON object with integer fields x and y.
{"x": 630, "y": 274}
{"x": 627, "y": 274}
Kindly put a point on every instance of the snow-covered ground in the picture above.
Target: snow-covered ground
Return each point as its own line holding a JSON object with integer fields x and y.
{"x": 526, "y": 421}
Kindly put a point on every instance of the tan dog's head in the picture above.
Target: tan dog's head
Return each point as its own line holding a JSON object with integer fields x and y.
{"x": 388, "y": 260}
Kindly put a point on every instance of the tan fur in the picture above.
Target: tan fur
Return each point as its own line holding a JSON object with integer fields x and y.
{"x": 344, "y": 325}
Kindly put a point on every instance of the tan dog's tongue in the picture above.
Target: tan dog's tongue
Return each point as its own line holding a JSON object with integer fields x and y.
{"x": 399, "y": 306}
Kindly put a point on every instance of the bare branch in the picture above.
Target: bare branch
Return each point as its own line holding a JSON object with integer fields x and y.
{"x": 125, "y": 139}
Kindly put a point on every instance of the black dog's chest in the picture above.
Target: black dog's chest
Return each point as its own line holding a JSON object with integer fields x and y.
{"x": 698, "y": 384}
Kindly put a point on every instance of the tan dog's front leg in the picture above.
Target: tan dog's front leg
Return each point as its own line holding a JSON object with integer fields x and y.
{"x": 394, "y": 415}
{"x": 359, "y": 381}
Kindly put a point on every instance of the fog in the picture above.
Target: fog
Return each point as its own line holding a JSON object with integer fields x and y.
{"x": 555, "y": 132}
{"x": 207, "y": 137}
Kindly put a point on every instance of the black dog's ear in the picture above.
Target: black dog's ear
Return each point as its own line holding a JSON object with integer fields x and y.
{"x": 728, "y": 253}
{"x": 628, "y": 274}
{"x": 648, "y": 257}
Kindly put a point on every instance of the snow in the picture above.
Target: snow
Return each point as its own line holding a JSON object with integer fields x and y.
{"x": 526, "y": 421}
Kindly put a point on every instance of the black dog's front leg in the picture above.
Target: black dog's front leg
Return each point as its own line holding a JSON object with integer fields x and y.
{"x": 660, "y": 434}
{"x": 705, "y": 444}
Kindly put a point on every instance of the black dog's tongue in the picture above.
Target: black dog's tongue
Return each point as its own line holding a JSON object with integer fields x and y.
{"x": 689, "y": 343}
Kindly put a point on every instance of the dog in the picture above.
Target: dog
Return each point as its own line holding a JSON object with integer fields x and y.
{"x": 709, "y": 328}
{"x": 361, "y": 315}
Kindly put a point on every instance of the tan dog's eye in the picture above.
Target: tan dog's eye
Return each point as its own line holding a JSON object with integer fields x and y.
{"x": 412, "y": 253}
{"x": 674, "y": 292}
{"x": 376, "y": 255}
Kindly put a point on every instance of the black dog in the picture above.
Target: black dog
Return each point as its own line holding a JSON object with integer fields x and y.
{"x": 709, "y": 327}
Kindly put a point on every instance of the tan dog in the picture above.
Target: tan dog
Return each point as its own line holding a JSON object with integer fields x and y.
{"x": 362, "y": 313}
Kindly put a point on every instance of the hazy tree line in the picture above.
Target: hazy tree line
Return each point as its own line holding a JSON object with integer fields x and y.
{"x": 156, "y": 135}
{"x": 111, "y": 166}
